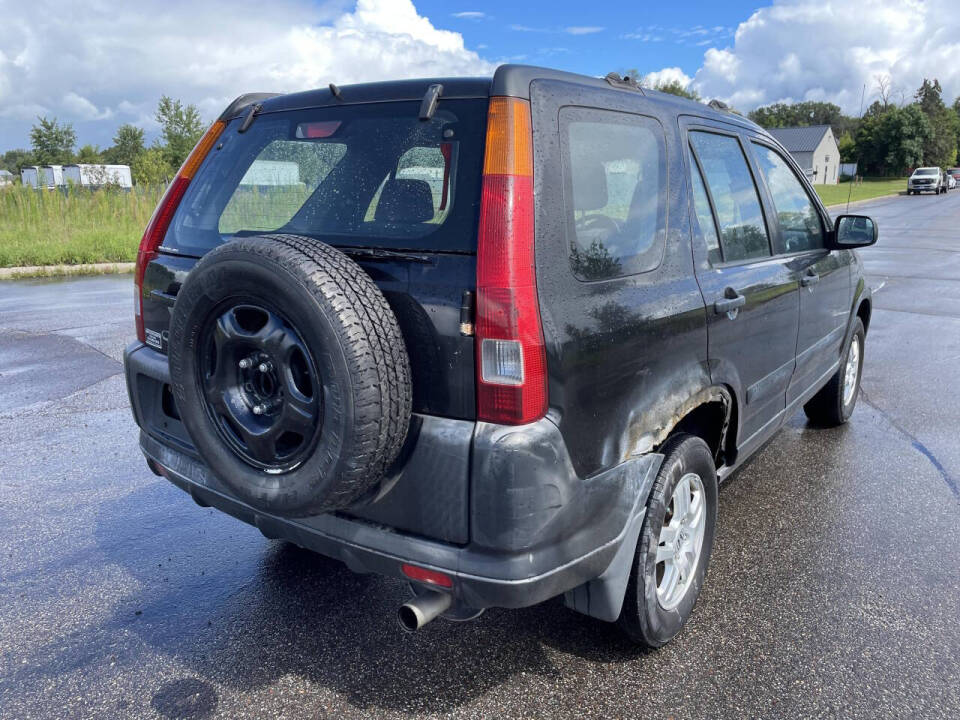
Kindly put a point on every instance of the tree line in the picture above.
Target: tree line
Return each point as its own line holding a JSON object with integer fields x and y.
{"x": 891, "y": 139}
{"x": 53, "y": 143}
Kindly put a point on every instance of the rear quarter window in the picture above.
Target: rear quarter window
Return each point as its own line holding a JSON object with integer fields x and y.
{"x": 614, "y": 168}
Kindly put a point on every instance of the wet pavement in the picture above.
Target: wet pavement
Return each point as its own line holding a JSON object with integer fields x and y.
{"x": 834, "y": 588}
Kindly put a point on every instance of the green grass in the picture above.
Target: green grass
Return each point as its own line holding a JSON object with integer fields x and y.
{"x": 837, "y": 194}
{"x": 52, "y": 228}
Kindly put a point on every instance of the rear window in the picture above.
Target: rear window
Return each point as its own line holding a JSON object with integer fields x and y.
{"x": 364, "y": 175}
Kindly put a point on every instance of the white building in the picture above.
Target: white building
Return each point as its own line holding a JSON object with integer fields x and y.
{"x": 815, "y": 150}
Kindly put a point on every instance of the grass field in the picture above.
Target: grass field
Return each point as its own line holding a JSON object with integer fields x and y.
{"x": 50, "y": 228}
{"x": 837, "y": 194}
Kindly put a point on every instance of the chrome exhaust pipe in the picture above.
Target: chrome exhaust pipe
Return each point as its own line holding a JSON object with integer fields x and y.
{"x": 422, "y": 609}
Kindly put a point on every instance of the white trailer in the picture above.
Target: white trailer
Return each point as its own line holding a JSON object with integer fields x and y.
{"x": 271, "y": 173}
{"x": 29, "y": 175}
{"x": 44, "y": 177}
{"x": 94, "y": 176}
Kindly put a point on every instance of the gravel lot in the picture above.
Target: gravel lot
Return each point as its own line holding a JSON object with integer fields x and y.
{"x": 834, "y": 588}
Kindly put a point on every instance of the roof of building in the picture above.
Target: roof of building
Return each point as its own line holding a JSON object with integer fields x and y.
{"x": 800, "y": 139}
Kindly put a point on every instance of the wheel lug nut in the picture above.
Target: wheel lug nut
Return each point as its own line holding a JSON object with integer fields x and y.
{"x": 245, "y": 363}
{"x": 265, "y": 366}
{"x": 259, "y": 409}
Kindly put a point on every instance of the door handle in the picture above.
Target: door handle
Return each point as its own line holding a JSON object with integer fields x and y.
{"x": 811, "y": 278}
{"x": 730, "y": 302}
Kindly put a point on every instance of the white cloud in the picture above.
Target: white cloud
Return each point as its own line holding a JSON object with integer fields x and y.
{"x": 83, "y": 109}
{"x": 527, "y": 28}
{"x": 583, "y": 29}
{"x": 665, "y": 76}
{"x": 85, "y": 62}
{"x": 470, "y": 15}
{"x": 800, "y": 50}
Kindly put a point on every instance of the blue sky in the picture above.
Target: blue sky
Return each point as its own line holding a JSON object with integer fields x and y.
{"x": 100, "y": 64}
{"x": 593, "y": 38}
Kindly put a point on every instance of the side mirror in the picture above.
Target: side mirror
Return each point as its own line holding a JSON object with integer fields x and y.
{"x": 853, "y": 231}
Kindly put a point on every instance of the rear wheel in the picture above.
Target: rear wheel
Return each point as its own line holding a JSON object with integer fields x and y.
{"x": 675, "y": 542}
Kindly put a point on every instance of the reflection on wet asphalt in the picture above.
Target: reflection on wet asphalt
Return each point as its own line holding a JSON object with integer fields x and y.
{"x": 834, "y": 588}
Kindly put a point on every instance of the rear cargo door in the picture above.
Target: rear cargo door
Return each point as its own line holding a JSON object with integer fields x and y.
{"x": 398, "y": 194}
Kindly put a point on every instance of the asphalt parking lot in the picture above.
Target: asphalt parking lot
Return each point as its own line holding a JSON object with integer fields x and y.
{"x": 834, "y": 588}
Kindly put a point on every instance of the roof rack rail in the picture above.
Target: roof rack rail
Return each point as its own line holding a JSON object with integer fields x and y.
{"x": 626, "y": 82}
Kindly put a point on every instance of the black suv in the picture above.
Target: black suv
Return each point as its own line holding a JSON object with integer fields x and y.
{"x": 497, "y": 338}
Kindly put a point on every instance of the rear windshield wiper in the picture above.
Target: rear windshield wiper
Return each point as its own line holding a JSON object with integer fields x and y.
{"x": 381, "y": 254}
{"x": 248, "y": 120}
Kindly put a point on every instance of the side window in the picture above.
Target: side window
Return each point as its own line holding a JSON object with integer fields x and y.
{"x": 743, "y": 234}
{"x": 800, "y": 227}
{"x": 614, "y": 192}
{"x": 708, "y": 227}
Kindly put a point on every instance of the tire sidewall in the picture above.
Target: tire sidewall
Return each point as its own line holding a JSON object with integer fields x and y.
{"x": 657, "y": 624}
{"x": 214, "y": 283}
{"x": 858, "y": 335}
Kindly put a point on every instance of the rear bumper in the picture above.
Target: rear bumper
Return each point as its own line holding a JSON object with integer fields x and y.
{"x": 536, "y": 530}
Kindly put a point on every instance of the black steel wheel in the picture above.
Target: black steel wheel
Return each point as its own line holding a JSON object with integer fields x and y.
{"x": 260, "y": 386}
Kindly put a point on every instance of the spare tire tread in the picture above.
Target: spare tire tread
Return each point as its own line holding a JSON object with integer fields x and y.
{"x": 386, "y": 385}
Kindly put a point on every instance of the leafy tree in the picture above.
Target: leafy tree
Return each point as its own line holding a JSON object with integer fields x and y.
{"x": 151, "y": 167}
{"x": 181, "y": 126}
{"x": 675, "y": 87}
{"x": 940, "y": 148}
{"x": 127, "y": 146}
{"x": 803, "y": 114}
{"x": 52, "y": 142}
{"x": 90, "y": 154}
{"x": 847, "y": 147}
{"x": 15, "y": 160}
{"x": 892, "y": 142}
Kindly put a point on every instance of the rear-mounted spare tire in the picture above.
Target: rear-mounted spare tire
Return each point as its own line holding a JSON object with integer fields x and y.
{"x": 290, "y": 373}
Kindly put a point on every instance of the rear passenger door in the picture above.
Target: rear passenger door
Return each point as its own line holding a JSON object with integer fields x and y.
{"x": 825, "y": 292}
{"x": 751, "y": 295}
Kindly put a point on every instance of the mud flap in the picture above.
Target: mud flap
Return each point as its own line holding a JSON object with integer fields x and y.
{"x": 603, "y": 596}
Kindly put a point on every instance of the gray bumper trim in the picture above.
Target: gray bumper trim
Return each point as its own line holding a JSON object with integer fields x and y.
{"x": 367, "y": 548}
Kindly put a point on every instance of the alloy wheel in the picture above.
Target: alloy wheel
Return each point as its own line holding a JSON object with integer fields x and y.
{"x": 681, "y": 541}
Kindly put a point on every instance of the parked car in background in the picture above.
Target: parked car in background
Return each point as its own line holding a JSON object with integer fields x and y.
{"x": 94, "y": 176}
{"x": 499, "y": 338}
{"x": 927, "y": 179}
{"x": 951, "y": 182}
{"x": 954, "y": 173}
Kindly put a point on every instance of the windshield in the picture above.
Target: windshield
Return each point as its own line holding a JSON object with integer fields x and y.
{"x": 371, "y": 175}
{"x": 926, "y": 171}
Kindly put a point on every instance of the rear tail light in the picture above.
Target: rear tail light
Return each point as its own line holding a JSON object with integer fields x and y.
{"x": 511, "y": 365}
{"x": 160, "y": 220}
